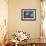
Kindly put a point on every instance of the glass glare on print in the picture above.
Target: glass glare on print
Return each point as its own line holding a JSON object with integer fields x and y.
{"x": 28, "y": 14}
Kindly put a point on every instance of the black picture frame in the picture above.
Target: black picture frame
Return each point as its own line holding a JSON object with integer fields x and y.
{"x": 28, "y": 14}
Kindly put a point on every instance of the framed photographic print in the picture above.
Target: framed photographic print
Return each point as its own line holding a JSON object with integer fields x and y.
{"x": 28, "y": 14}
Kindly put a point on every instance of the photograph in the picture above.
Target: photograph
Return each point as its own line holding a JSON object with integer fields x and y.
{"x": 28, "y": 14}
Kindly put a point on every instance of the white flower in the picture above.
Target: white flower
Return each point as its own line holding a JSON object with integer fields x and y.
{"x": 22, "y": 36}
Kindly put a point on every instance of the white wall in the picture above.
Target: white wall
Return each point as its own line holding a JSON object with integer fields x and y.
{"x": 14, "y": 18}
